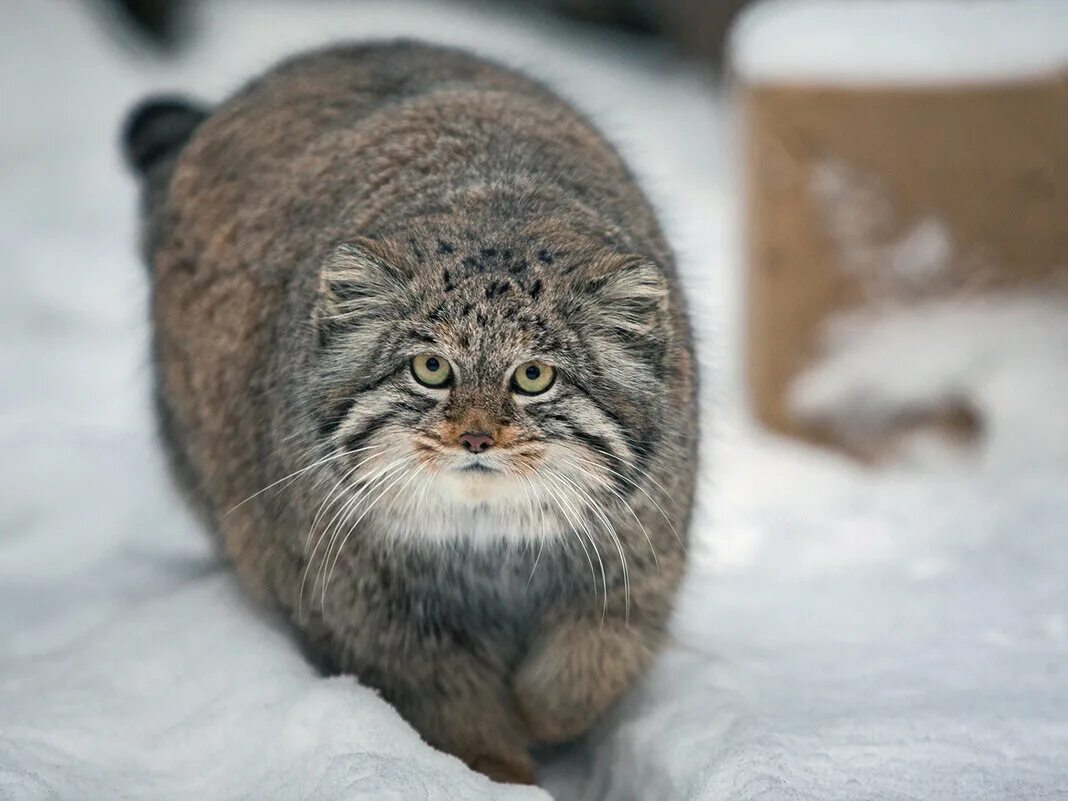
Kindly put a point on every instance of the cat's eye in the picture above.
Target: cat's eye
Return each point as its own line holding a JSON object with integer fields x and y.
{"x": 431, "y": 370}
{"x": 533, "y": 378}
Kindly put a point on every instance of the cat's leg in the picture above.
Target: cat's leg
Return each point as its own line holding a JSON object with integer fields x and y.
{"x": 449, "y": 683}
{"x": 464, "y": 706}
{"x": 577, "y": 668}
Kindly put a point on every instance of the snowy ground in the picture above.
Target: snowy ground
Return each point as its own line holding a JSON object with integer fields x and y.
{"x": 844, "y": 634}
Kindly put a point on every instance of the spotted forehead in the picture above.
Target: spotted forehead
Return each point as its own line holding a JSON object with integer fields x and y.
{"x": 477, "y": 331}
{"x": 492, "y": 304}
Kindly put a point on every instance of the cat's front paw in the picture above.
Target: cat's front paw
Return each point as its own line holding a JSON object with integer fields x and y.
{"x": 513, "y": 769}
{"x": 573, "y": 675}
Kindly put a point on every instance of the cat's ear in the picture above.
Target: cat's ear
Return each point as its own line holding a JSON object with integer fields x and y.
{"x": 627, "y": 296}
{"x": 362, "y": 281}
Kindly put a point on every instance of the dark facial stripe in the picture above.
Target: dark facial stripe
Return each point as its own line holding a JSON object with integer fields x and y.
{"x": 359, "y": 438}
{"x": 595, "y": 441}
{"x": 415, "y": 402}
{"x": 333, "y": 419}
{"x": 639, "y": 442}
{"x": 604, "y": 450}
{"x": 607, "y": 411}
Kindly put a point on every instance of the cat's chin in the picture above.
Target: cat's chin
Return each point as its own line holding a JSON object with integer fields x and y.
{"x": 479, "y": 484}
{"x": 488, "y": 507}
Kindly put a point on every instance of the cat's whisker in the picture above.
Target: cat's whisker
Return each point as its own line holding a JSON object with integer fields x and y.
{"x": 608, "y": 486}
{"x": 537, "y": 560}
{"x": 363, "y": 514}
{"x": 530, "y": 507}
{"x": 642, "y": 490}
{"x": 323, "y": 536}
{"x": 367, "y": 485}
{"x": 424, "y": 493}
{"x": 364, "y": 487}
{"x": 528, "y": 490}
{"x": 643, "y": 473}
{"x": 578, "y": 536}
{"x": 327, "y": 503}
{"x": 311, "y": 558}
{"x": 292, "y": 475}
{"x": 358, "y": 485}
{"x": 323, "y": 507}
{"x": 589, "y": 534}
{"x": 611, "y": 530}
{"x": 421, "y": 500}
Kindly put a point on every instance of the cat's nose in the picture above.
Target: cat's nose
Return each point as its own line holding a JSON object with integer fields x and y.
{"x": 476, "y": 441}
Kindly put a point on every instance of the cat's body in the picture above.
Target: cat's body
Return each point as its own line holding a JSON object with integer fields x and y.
{"x": 343, "y": 227}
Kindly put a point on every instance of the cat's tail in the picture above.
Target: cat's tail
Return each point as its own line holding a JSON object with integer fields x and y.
{"x": 157, "y": 129}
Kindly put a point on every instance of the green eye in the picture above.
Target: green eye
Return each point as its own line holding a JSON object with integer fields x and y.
{"x": 533, "y": 378}
{"x": 431, "y": 370}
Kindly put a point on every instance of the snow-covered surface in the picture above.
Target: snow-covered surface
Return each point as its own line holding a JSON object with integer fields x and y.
{"x": 891, "y": 41}
{"x": 990, "y": 351}
{"x": 844, "y": 633}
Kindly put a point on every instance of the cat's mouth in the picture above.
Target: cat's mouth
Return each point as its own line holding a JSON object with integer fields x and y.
{"x": 477, "y": 467}
{"x": 477, "y": 480}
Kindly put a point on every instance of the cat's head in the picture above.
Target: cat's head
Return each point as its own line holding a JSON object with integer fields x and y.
{"x": 489, "y": 389}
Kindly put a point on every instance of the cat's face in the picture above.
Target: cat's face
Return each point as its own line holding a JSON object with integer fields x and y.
{"x": 489, "y": 393}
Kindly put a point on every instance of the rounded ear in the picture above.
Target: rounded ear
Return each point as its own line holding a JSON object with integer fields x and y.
{"x": 364, "y": 287}
{"x": 621, "y": 306}
{"x": 362, "y": 281}
{"x": 628, "y": 296}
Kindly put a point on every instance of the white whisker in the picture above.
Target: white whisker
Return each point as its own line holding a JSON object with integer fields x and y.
{"x": 530, "y": 507}
{"x": 363, "y": 514}
{"x": 292, "y": 475}
{"x": 319, "y": 540}
{"x": 642, "y": 490}
{"x": 608, "y": 486}
{"x": 611, "y": 531}
{"x": 323, "y": 507}
{"x": 561, "y": 495}
{"x": 364, "y": 486}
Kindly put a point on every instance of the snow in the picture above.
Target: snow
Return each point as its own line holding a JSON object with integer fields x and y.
{"x": 846, "y": 42}
{"x": 844, "y": 633}
{"x": 1002, "y": 353}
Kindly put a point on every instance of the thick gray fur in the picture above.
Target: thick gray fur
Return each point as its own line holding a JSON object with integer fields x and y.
{"x": 355, "y": 207}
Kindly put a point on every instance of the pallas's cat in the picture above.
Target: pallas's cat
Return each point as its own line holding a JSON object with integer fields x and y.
{"x": 423, "y": 366}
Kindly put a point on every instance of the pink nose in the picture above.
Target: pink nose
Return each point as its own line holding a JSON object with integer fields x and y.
{"x": 476, "y": 441}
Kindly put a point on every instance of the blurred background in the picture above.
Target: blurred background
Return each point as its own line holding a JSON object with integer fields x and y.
{"x": 869, "y": 202}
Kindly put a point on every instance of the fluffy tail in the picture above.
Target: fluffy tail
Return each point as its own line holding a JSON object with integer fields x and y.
{"x": 157, "y": 129}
